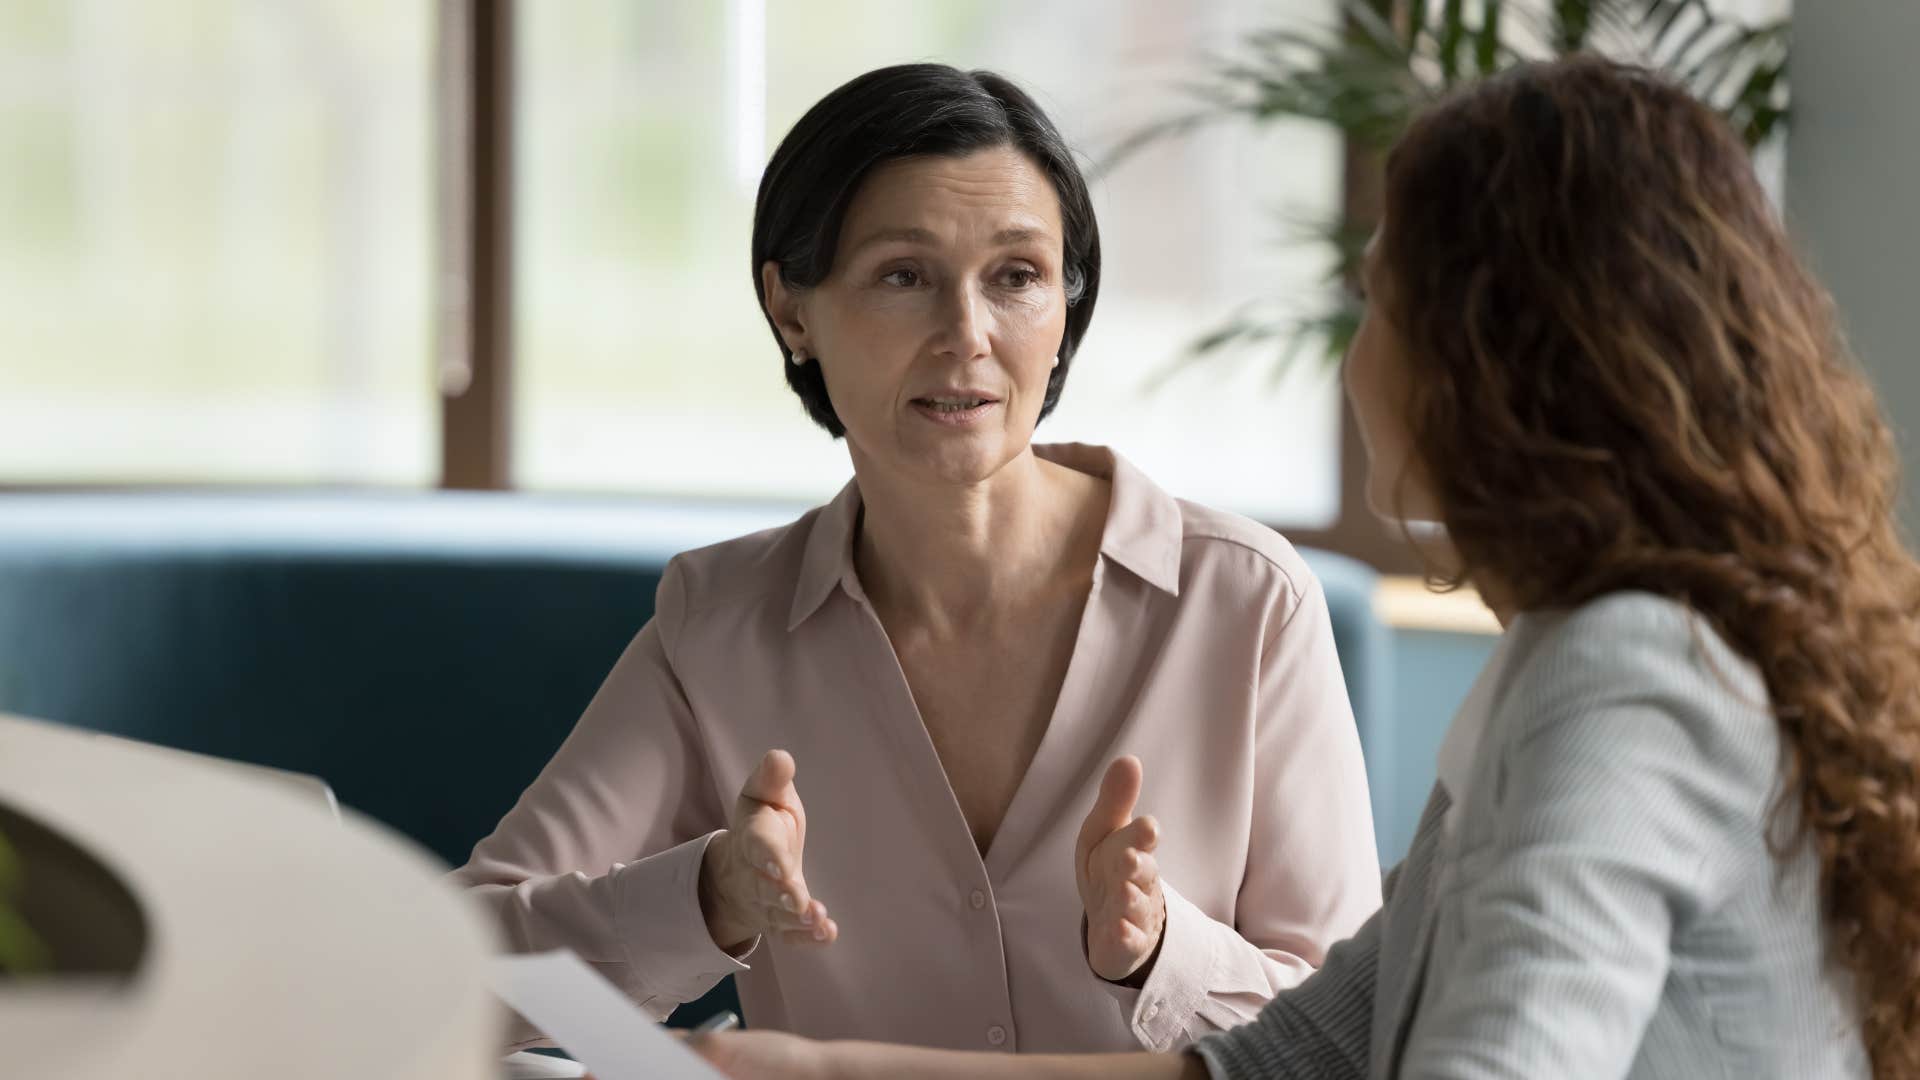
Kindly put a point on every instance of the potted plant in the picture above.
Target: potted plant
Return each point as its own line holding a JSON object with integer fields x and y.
{"x": 1368, "y": 76}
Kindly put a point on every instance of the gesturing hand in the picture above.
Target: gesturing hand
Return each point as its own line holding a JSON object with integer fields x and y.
{"x": 1118, "y": 877}
{"x": 750, "y": 879}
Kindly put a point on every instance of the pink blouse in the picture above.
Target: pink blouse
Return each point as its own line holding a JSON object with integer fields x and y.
{"x": 1205, "y": 649}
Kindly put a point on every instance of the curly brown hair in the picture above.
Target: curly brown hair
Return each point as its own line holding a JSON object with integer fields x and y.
{"x": 1626, "y": 379}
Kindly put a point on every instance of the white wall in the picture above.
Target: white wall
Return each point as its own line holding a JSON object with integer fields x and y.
{"x": 1853, "y": 188}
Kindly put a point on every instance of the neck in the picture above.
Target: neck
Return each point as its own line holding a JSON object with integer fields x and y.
{"x": 1497, "y": 597}
{"x": 950, "y": 555}
{"x": 1438, "y": 552}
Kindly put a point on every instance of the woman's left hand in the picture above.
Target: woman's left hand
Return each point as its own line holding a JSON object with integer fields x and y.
{"x": 1118, "y": 876}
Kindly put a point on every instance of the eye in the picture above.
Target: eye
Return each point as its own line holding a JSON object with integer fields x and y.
{"x": 902, "y": 278}
{"x": 1020, "y": 277}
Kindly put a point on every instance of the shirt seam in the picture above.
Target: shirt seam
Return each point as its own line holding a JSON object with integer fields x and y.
{"x": 1294, "y": 590}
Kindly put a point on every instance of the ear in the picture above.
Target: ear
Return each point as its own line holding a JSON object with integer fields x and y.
{"x": 784, "y": 307}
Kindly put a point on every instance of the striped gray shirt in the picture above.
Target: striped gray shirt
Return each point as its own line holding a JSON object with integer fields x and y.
{"x": 1606, "y": 904}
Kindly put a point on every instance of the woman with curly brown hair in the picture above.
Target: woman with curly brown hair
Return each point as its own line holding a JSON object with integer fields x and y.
{"x": 1677, "y": 828}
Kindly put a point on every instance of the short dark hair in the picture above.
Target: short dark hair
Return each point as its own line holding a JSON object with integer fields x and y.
{"x": 907, "y": 111}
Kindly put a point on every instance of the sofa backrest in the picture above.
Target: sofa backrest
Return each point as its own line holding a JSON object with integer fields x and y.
{"x": 424, "y": 655}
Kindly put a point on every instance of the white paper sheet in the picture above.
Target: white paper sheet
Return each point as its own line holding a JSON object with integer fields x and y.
{"x": 592, "y": 1020}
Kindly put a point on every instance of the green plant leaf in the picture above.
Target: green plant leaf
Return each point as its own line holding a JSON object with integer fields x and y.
{"x": 1453, "y": 31}
{"x": 21, "y": 950}
{"x": 1374, "y": 29}
{"x": 1367, "y": 78}
{"x": 1573, "y": 25}
{"x": 1157, "y": 132}
{"x": 1486, "y": 40}
{"x": 1416, "y": 16}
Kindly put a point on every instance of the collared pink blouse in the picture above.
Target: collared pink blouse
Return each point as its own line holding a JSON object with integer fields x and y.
{"x": 1205, "y": 649}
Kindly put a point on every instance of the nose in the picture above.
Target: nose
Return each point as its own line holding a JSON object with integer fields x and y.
{"x": 965, "y": 322}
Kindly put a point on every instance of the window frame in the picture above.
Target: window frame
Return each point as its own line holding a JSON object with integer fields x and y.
{"x": 472, "y": 351}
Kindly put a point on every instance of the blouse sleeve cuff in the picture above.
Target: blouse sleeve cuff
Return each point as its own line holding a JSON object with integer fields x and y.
{"x": 1160, "y": 1014}
{"x": 657, "y": 905}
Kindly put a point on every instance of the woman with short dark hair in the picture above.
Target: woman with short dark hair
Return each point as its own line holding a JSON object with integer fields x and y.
{"x": 969, "y": 654}
{"x": 1676, "y": 832}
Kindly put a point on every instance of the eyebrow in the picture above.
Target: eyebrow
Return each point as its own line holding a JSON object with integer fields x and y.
{"x": 1016, "y": 235}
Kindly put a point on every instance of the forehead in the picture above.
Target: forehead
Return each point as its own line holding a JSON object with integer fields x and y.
{"x": 992, "y": 190}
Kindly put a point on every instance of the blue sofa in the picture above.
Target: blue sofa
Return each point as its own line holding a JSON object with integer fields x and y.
{"x": 425, "y": 654}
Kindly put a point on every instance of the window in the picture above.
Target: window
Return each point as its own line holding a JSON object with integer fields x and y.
{"x": 215, "y": 240}
{"x": 642, "y": 362}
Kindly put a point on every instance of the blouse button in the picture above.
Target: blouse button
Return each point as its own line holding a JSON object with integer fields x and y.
{"x": 996, "y": 1035}
{"x": 978, "y": 899}
{"x": 1153, "y": 1010}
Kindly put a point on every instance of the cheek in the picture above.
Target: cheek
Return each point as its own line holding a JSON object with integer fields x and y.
{"x": 1360, "y": 374}
{"x": 859, "y": 346}
{"x": 1032, "y": 330}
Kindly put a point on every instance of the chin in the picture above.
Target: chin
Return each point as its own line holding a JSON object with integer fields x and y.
{"x": 965, "y": 461}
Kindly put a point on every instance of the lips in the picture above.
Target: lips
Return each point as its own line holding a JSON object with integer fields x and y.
{"x": 955, "y": 407}
{"x": 955, "y": 400}
{"x": 950, "y": 405}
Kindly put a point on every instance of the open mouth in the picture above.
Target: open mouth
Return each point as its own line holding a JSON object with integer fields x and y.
{"x": 951, "y": 405}
{"x": 959, "y": 408}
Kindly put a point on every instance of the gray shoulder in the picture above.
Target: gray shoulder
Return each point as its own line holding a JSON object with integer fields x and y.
{"x": 1641, "y": 651}
{"x": 1642, "y": 636}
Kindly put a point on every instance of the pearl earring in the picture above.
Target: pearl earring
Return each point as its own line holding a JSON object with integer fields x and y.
{"x": 799, "y": 357}
{"x": 1056, "y": 361}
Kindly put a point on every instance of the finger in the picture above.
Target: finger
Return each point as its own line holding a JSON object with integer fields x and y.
{"x": 1119, "y": 935}
{"x": 1143, "y": 870}
{"x": 1115, "y": 862}
{"x": 787, "y": 900}
{"x": 769, "y": 844}
{"x": 1113, "y": 807}
{"x": 1143, "y": 832}
{"x": 825, "y": 932}
{"x": 771, "y": 782}
{"x": 779, "y": 920}
{"x": 1138, "y": 906}
{"x": 786, "y": 894}
{"x": 1125, "y": 901}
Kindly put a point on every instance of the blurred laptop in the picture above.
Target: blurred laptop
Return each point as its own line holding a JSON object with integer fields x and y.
{"x": 309, "y": 787}
{"x": 520, "y": 1066}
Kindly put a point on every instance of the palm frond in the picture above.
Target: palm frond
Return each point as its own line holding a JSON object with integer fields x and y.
{"x": 1572, "y": 23}
{"x": 1486, "y": 38}
{"x": 1370, "y": 74}
{"x": 1450, "y": 35}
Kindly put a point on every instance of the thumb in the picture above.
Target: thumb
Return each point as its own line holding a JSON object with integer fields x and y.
{"x": 772, "y": 781}
{"x": 1113, "y": 807}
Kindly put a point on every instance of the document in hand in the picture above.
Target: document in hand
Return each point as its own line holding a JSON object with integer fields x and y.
{"x": 592, "y": 1020}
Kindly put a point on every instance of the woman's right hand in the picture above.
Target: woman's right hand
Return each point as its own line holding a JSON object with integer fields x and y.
{"x": 750, "y": 880}
{"x": 763, "y": 1055}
